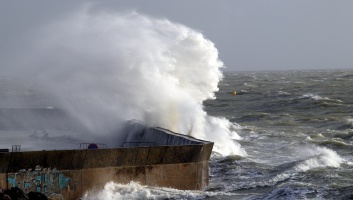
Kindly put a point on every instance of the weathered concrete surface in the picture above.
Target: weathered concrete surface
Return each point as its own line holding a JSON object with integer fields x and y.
{"x": 185, "y": 167}
{"x": 71, "y": 173}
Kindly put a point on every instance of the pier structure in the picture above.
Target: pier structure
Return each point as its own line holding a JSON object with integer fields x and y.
{"x": 149, "y": 156}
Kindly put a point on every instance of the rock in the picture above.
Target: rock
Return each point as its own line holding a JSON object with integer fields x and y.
{"x": 37, "y": 196}
{"x": 54, "y": 196}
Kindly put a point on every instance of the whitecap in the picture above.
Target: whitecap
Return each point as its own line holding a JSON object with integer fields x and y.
{"x": 319, "y": 157}
{"x": 133, "y": 190}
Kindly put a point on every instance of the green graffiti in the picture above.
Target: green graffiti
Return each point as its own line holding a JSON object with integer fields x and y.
{"x": 62, "y": 181}
{"x": 12, "y": 181}
{"x": 46, "y": 181}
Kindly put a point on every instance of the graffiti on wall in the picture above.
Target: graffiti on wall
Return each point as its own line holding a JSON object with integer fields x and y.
{"x": 39, "y": 180}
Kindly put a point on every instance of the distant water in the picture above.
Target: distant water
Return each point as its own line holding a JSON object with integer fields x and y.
{"x": 297, "y": 129}
{"x": 295, "y": 126}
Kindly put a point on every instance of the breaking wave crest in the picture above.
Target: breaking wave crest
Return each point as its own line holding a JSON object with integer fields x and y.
{"x": 133, "y": 190}
{"x": 319, "y": 98}
{"x": 319, "y": 157}
{"x": 104, "y": 69}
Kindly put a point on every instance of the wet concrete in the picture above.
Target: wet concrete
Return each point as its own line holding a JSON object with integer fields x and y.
{"x": 176, "y": 161}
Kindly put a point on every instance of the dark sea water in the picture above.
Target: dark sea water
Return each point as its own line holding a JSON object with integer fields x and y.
{"x": 295, "y": 126}
{"x": 297, "y": 129}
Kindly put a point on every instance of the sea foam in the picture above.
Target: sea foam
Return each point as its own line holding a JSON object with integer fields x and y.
{"x": 133, "y": 190}
{"x": 319, "y": 157}
{"x": 106, "y": 68}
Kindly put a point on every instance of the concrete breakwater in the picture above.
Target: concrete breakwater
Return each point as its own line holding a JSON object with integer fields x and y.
{"x": 150, "y": 156}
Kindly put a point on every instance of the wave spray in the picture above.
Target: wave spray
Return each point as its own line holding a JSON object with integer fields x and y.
{"x": 104, "y": 69}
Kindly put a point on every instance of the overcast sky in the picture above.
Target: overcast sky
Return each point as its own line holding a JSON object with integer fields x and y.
{"x": 249, "y": 34}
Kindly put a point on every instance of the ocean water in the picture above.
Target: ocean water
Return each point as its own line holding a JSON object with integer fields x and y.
{"x": 296, "y": 128}
{"x": 284, "y": 135}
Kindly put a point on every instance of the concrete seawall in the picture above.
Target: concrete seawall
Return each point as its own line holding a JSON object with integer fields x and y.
{"x": 71, "y": 173}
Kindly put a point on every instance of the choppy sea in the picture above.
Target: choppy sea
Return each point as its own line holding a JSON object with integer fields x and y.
{"x": 295, "y": 126}
{"x": 297, "y": 129}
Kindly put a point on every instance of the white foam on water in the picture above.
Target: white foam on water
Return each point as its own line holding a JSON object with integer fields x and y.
{"x": 309, "y": 157}
{"x": 319, "y": 157}
{"x": 318, "y": 98}
{"x": 349, "y": 122}
{"x": 223, "y": 146}
{"x": 133, "y": 190}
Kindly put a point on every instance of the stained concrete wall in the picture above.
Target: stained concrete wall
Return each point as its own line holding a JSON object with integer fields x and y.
{"x": 73, "y": 172}
{"x": 155, "y": 157}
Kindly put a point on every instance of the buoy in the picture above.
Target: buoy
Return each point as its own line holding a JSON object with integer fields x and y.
{"x": 234, "y": 93}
